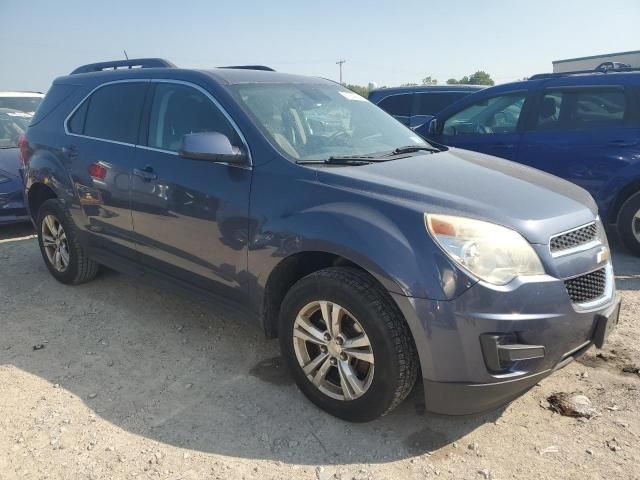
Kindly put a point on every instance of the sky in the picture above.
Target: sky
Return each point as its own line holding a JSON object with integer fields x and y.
{"x": 388, "y": 43}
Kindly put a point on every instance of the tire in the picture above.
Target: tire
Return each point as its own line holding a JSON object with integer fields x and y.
{"x": 385, "y": 368}
{"x": 72, "y": 266}
{"x": 628, "y": 224}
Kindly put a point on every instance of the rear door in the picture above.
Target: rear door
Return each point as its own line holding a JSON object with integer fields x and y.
{"x": 492, "y": 125}
{"x": 102, "y": 132}
{"x": 583, "y": 134}
{"x": 190, "y": 216}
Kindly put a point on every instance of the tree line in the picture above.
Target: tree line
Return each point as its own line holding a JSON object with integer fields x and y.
{"x": 479, "y": 78}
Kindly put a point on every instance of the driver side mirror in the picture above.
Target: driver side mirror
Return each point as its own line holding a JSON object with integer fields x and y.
{"x": 432, "y": 127}
{"x": 213, "y": 146}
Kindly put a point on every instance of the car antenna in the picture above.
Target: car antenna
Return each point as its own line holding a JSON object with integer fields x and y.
{"x": 125, "y": 54}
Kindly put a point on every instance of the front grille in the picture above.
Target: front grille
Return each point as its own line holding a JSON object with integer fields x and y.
{"x": 574, "y": 238}
{"x": 587, "y": 287}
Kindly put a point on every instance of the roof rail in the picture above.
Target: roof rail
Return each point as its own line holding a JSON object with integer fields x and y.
{"x": 540, "y": 76}
{"x": 124, "y": 64}
{"x": 251, "y": 67}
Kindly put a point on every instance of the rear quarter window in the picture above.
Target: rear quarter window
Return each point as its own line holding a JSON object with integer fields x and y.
{"x": 434, "y": 102}
{"x": 399, "y": 104}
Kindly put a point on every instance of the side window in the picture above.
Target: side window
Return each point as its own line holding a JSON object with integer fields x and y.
{"x": 489, "y": 116}
{"x": 111, "y": 113}
{"x": 397, "y": 104}
{"x": 582, "y": 109}
{"x": 432, "y": 103}
{"x": 549, "y": 111}
{"x": 76, "y": 122}
{"x": 178, "y": 110}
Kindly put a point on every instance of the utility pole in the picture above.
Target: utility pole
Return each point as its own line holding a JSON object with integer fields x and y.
{"x": 340, "y": 63}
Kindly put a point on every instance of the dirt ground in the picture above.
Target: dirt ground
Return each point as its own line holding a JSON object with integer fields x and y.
{"x": 127, "y": 381}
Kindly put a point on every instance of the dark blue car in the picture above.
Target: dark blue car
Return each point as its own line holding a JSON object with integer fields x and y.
{"x": 582, "y": 127}
{"x": 13, "y": 124}
{"x": 374, "y": 256}
{"x": 416, "y": 105}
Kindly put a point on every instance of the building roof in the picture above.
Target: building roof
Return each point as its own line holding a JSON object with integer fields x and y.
{"x": 604, "y": 55}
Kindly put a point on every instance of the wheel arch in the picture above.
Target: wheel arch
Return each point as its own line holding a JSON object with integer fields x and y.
{"x": 296, "y": 266}
{"x": 628, "y": 191}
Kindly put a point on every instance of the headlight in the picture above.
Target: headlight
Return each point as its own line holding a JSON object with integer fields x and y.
{"x": 491, "y": 252}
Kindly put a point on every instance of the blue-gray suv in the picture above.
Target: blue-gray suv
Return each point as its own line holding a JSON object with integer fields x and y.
{"x": 375, "y": 257}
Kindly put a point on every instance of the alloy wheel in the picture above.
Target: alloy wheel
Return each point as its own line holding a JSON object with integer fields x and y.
{"x": 54, "y": 241}
{"x": 333, "y": 350}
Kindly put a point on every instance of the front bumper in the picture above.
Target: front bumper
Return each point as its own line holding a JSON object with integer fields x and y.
{"x": 536, "y": 311}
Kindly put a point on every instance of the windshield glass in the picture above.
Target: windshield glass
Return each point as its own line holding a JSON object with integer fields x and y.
{"x": 24, "y": 104}
{"x": 12, "y": 125}
{"x": 315, "y": 122}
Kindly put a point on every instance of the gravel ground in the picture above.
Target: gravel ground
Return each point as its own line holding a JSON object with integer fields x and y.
{"x": 127, "y": 381}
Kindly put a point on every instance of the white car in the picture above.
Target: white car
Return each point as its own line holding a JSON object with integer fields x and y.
{"x": 23, "y": 101}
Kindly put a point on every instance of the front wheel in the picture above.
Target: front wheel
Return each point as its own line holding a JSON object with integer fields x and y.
{"x": 347, "y": 344}
{"x": 629, "y": 224}
{"x": 62, "y": 253}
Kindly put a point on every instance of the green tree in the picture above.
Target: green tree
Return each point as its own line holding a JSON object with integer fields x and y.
{"x": 409, "y": 84}
{"x": 479, "y": 78}
{"x": 359, "y": 89}
{"x": 429, "y": 81}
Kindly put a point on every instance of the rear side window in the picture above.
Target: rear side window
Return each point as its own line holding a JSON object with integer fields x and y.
{"x": 582, "y": 109}
{"x": 432, "y": 103}
{"x": 397, "y": 104}
{"x": 178, "y": 110}
{"x": 111, "y": 113}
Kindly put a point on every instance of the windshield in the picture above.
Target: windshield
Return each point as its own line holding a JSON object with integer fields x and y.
{"x": 24, "y": 104}
{"x": 12, "y": 125}
{"x": 315, "y": 122}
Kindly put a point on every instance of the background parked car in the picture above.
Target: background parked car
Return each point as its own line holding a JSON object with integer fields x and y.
{"x": 582, "y": 127}
{"x": 414, "y": 106}
{"x": 23, "y": 101}
{"x": 13, "y": 124}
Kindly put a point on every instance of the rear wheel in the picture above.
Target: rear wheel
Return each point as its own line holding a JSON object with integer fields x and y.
{"x": 348, "y": 347}
{"x": 629, "y": 224}
{"x": 62, "y": 253}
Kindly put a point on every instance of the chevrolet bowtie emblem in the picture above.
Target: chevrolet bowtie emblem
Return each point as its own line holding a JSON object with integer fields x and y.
{"x": 603, "y": 255}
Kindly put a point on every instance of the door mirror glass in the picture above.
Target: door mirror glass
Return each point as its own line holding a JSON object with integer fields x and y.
{"x": 213, "y": 146}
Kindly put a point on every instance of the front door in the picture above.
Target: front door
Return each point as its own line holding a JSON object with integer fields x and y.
{"x": 190, "y": 216}
{"x": 490, "y": 125}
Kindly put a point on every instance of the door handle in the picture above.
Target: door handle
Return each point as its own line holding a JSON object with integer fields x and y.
{"x": 147, "y": 173}
{"x": 623, "y": 143}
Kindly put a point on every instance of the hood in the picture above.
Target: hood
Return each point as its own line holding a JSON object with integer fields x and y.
{"x": 460, "y": 182}
{"x": 10, "y": 161}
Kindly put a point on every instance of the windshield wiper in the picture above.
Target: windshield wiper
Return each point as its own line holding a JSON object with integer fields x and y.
{"x": 411, "y": 149}
{"x": 341, "y": 160}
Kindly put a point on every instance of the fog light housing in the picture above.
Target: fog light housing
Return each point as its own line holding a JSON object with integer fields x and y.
{"x": 501, "y": 351}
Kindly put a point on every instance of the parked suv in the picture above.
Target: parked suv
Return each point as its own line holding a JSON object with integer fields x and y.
{"x": 373, "y": 255}
{"x": 582, "y": 127}
{"x": 414, "y": 106}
